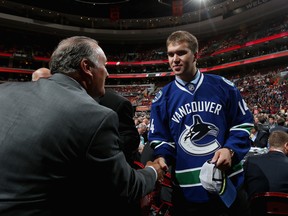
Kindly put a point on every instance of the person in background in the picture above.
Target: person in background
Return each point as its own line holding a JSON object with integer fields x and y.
{"x": 60, "y": 152}
{"x": 142, "y": 128}
{"x": 259, "y": 137}
{"x": 41, "y": 73}
{"x": 262, "y": 123}
{"x": 268, "y": 172}
{"x": 145, "y": 134}
{"x": 280, "y": 125}
{"x": 195, "y": 118}
{"x": 129, "y": 137}
{"x": 271, "y": 121}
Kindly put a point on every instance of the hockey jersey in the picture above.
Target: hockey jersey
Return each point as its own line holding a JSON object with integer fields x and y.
{"x": 188, "y": 123}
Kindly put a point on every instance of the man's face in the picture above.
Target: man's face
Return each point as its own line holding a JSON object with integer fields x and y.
{"x": 100, "y": 74}
{"x": 181, "y": 59}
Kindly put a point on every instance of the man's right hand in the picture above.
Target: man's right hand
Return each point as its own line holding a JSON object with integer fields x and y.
{"x": 159, "y": 170}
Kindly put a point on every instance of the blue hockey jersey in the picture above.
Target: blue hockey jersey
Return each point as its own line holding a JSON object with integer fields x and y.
{"x": 188, "y": 123}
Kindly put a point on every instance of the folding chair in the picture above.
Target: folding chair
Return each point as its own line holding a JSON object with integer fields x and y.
{"x": 269, "y": 203}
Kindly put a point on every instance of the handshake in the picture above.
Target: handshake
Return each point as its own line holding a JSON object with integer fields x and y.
{"x": 160, "y": 167}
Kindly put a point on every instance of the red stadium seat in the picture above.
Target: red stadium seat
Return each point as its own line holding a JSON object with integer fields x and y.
{"x": 269, "y": 203}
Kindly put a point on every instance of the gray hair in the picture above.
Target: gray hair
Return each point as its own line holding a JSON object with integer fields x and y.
{"x": 68, "y": 54}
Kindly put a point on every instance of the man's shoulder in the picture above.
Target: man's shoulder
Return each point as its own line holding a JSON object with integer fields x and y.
{"x": 111, "y": 97}
{"x": 114, "y": 95}
{"x": 281, "y": 128}
{"x": 219, "y": 80}
{"x": 257, "y": 158}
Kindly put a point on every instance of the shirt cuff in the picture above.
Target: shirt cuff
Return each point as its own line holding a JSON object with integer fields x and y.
{"x": 154, "y": 171}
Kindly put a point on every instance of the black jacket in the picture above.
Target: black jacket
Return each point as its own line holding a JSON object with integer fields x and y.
{"x": 266, "y": 172}
{"x": 261, "y": 140}
{"x": 129, "y": 136}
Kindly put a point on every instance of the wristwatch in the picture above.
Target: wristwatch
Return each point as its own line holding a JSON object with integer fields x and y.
{"x": 231, "y": 152}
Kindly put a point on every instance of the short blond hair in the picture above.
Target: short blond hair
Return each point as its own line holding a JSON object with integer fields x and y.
{"x": 181, "y": 37}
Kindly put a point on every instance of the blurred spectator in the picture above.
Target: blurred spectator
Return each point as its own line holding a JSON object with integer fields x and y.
{"x": 129, "y": 137}
{"x": 280, "y": 126}
{"x": 262, "y": 124}
{"x": 259, "y": 137}
{"x": 271, "y": 121}
{"x": 145, "y": 134}
{"x": 142, "y": 128}
{"x": 41, "y": 73}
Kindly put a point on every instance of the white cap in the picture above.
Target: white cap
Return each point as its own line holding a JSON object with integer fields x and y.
{"x": 216, "y": 181}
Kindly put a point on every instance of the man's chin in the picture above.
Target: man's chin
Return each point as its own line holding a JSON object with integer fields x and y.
{"x": 178, "y": 72}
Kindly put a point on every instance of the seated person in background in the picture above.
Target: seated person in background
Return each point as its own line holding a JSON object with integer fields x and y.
{"x": 280, "y": 126}
{"x": 268, "y": 172}
{"x": 41, "y": 73}
{"x": 262, "y": 124}
{"x": 129, "y": 137}
{"x": 259, "y": 137}
{"x": 271, "y": 121}
{"x": 142, "y": 128}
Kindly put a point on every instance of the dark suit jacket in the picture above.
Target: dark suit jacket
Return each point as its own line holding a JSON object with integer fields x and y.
{"x": 261, "y": 140}
{"x": 129, "y": 136}
{"x": 266, "y": 172}
{"x": 279, "y": 128}
{"x": 59, "y": 152}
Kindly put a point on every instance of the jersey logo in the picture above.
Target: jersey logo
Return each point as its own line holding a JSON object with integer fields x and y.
{"x": 199, "y": 138}
{"x": 191, "y": 87}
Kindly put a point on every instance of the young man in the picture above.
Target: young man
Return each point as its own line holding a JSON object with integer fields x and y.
{"x": 195, "y": 118}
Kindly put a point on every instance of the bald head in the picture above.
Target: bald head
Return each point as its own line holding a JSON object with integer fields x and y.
{"x": 41, "y": 73}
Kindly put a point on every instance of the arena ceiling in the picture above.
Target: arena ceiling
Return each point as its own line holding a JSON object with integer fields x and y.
{"x": 128, "y": 9}
{"x": 143, "y": 20}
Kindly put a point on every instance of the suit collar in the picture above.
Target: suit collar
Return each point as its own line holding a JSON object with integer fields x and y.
{"x": 63, "y": 79}
{"x": 273, "y": 152}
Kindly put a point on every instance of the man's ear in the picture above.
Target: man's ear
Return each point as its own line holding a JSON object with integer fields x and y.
{"x": 286, "y": 148}
{"x": 195, "y": 56}
{"x": 86, "y": 66}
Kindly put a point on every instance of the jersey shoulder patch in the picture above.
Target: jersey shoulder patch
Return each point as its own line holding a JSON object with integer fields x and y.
{"x": 228, "y": 82}
{"x": 157, "y": 96}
